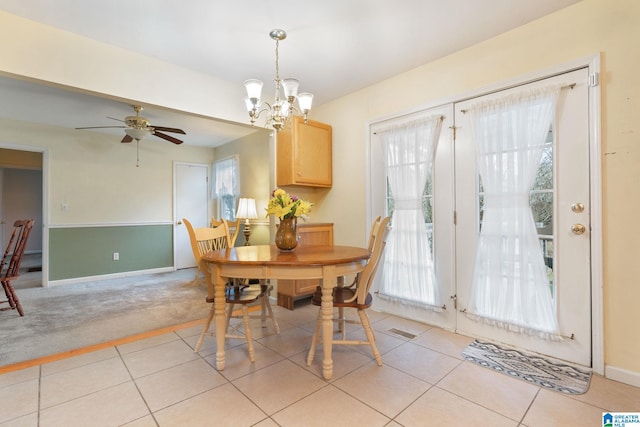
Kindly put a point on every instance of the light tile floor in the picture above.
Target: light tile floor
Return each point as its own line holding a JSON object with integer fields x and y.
{"x": 160, "y": 381}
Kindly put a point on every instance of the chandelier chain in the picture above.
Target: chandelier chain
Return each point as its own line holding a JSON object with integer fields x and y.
{"x": 277, "y": 65}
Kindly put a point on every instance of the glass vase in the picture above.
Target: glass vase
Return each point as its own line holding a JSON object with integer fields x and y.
{"x": 287, "y": 234}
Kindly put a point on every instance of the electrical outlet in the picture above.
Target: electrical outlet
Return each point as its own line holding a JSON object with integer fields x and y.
{"x": 116, "y": 256}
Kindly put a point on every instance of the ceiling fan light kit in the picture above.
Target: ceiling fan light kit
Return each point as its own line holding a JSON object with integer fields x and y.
{"x": 280, "y": 111}
{"x": 137, "y": 127}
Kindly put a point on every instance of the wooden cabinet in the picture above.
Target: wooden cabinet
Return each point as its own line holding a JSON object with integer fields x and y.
{"x": 291, "y": 290}
{"x": 303, "y": 154}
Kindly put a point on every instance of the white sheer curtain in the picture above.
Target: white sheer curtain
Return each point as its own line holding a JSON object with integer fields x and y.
{"x": 408, "y": 274}
{"x": 510, "y": 288}
{"x": 226, "y": 186}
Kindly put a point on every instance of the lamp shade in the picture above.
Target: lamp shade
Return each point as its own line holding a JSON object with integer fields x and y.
{"x": 247, "y": 209}
{"x": 304, "y": 101}
{"x": 254, "y": 88}
{"x": 290, "y": 87}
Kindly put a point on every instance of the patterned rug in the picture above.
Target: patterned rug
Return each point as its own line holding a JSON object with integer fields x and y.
{"x": 542, "y": 372}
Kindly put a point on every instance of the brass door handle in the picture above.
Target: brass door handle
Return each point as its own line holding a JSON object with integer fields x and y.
{"x": 577, "y": 207}
{"x": 578, "y": 229}
{"x": 179, "y": 223}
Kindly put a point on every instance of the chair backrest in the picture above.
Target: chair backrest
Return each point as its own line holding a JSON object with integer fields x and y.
{"x": 374, "y": 230}
{"x": 205, "y": 239}
{"x": 365, "y": 277}
{"x": 14, "y": 252}
{"x": 233, "y": 226}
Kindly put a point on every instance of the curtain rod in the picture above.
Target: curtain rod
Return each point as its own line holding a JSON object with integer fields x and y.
{"x": 441, "y": 119}
{"x": 569, "y": 86}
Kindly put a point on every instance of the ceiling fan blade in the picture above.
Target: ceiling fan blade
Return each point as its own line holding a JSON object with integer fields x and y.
{"x": 102, "y": 127}
{"x": 167, "y": 137}
{"x": 127, "y": 138}
{"x": 117, "y": 120}
{"x": 166, "y": 129}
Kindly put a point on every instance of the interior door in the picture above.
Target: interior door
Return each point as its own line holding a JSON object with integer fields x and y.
{"x": 191, "y": 202}
{"x": 566, "y": 247}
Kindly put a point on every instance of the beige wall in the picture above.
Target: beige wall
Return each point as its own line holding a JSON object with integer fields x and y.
{"x": 256, "y": 177}
{"x": 93, "y": 178}
{"x": 609, "y": 27}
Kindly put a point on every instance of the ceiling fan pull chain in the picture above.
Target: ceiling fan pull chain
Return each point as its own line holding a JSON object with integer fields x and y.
{"x": 137, "y": 153}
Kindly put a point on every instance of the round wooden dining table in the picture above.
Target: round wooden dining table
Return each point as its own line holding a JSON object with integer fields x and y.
{"x": 327, "y": 263}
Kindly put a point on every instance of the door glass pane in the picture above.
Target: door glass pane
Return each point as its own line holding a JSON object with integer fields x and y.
{"x": 541, "y": 202}
{"x": 427, "y": 207}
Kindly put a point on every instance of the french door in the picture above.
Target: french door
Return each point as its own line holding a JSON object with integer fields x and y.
{"x": 560, "y": 207}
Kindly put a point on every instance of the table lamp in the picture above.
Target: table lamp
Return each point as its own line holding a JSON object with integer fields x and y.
{"x": 246, "y": 211}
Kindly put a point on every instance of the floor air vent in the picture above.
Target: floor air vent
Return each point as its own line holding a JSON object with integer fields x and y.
{"x": 405, "y": 334}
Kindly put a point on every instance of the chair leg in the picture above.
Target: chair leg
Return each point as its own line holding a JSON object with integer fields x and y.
{"x": 314, "y": 340}
{"x": 230, "y": 308}
{"x": 341, "y": 323}
{"x": 12, "y": 297}
{"x": 263, "y": 311}
{"x": 247, "y": 332}
{"x": 364, "y": 319}
{"x": 205, "y": 329}
{"x": 267, "y": 304}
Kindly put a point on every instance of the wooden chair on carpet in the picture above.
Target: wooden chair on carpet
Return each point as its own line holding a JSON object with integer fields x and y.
{"x": 237, "y": 292}
{"x": 10, "y": 263}
{"x": 194, "y": 247}
{"x": 356, "y": 297}
{"x": 234, "y": 228}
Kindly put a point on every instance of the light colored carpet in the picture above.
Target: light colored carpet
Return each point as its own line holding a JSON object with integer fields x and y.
{"x": 552, "y": 375}
{"x": 68, "y": 317}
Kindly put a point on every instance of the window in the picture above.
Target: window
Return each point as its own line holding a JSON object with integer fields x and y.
{"x": 226, "y": 186}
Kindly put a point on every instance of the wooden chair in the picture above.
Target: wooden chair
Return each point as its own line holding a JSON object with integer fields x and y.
{"x": 232, "y": 225}
{"x": 207, "y": 239}
{"x": 357, "y": 297}
{"x": 372, "y": 236}
{"x": 12, "y": 259}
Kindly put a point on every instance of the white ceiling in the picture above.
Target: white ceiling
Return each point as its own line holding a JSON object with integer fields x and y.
{"x": 334, "y": 47}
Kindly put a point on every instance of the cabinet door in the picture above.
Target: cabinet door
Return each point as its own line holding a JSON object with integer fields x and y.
{"x": 313, "y": 153}
{"x": 303, "y": 154}
{"x": 315, "y": 234}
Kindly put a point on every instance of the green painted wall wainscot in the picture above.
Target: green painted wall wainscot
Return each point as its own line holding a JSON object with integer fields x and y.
{"x": 88, "y": 251}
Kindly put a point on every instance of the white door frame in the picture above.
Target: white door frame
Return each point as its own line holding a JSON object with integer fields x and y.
{"x": 593, "y": 64}
{"x": 45, "y": 203}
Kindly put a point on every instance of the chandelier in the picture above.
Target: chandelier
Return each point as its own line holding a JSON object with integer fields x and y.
{"x": 280, "y": 111}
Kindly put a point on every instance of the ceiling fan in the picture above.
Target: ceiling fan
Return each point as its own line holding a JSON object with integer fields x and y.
{"x": 137, "y": 127}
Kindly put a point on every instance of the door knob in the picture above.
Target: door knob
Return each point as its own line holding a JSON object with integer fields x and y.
{"x": 578, "y": 229}
{"x": 577, "y": 207}
{"x": 179, "y": 222}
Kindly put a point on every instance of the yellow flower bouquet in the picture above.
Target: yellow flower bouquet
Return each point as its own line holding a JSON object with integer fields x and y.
{"x": 286, "y": 206}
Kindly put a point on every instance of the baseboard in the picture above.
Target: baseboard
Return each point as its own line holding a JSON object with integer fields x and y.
{"x": 622, "y": 375}
{"x": 110, "y": 276}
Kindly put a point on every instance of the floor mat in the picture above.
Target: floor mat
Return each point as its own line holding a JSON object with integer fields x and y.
{"x": 545, "y": 373}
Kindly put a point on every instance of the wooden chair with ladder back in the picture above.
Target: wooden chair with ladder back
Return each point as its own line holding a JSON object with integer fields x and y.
{"x": 237, "y": 291}
{"x": 11, "y": 261}
{"x": 356, "y": 297}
